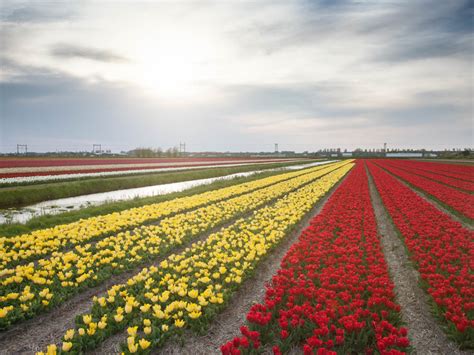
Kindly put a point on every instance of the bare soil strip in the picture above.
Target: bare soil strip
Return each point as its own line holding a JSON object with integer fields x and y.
{"x": 435, "y": 203}
{"x": 226, "y": 325}
{"x": 425, "y": 333}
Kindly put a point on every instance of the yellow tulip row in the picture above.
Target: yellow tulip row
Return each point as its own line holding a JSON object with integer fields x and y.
{"x": 187, "y": 289}
{"x": 42, "y": 242}
{"x": 32, "y": 288}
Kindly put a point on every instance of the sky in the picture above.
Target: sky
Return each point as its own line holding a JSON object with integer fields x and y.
{"x": 236, "y": 75}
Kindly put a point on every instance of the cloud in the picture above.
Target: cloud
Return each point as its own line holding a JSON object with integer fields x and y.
{"x": 422, "y": 30}
{"x": 306, "y": 74}
{"x": 18, "y": 14}
{"x": 74, "y": 51}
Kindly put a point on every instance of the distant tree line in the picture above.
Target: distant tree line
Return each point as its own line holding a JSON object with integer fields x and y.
{"x": 155, "y": 153}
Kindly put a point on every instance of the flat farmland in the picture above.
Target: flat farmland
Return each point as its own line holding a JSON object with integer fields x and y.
{"x": 355, "y": 256}
{"x": 29, "y": 170}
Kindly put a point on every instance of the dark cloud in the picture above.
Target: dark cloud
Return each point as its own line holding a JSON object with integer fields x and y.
{"x": 400, "y": 31}
{"x": 425, "y": 46}
{"x": 422, "y": 30}
{"x": 36, "y": 14}
{"x": 73, "y": 51}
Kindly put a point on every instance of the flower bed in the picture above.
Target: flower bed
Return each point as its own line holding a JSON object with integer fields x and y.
{"x": 29, "y": 246}
{"x": 461, "y": 202}
{"x": 458, "y": 171}
{"x": 333, "y": 293}
{"x": 187, "y": 289}
{"x": 442, "y": 250}
{"x": 418, "y": 169}
{"x": 29, "y": 289}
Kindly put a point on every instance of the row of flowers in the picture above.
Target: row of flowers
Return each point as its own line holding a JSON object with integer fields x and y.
{"x": 333, "y": 293}
{"x": 458, "y": 171}
{"x": 29, "y": 289}
{"x": 419, "y": 169}
{"x": 442, "y": 250}
{"x": 189, "y": 288}
{"x": 459, "y": 201}
{"x": 25, "y": 247}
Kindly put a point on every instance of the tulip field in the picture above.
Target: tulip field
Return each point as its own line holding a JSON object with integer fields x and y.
{"x": 13, "y": 171}
{"x": 161, "y": 274}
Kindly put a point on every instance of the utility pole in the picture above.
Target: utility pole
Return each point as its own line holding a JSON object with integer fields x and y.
{"x": 182, "y": 148}
{"x": 23, "y": 147}
{"x": 96, "y": 148}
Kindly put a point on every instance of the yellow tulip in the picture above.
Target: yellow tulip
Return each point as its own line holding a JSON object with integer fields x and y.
{"x": 69, "y": 334}
{"x": 195, "y": 315}
{"x": 66, "y": 346}
{"x": 193, "y": 293}
{"x": 87, "y": 318}
{"x": 132, "y": 347}
{"x": 51, "y": 349}
{"x": 144, "y": 343}
{"x": 132, "y": 331}
{"x": 179, "y": 323}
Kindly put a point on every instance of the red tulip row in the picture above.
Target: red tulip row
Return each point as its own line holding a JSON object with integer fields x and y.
{"x": 459, "y": 201}
{"x": 333, "y": 293}
{"x": 464, "y": 172}
{"x": 417, "y": 169}
{"x": 441, "y": 248}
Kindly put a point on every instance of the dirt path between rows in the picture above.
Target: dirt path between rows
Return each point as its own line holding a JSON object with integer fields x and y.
{"x": 226, "y": 325}
{"x": 432, "y": 201}
{"x": 425, "y": 333}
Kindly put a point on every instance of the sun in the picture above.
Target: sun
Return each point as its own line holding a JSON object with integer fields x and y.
{"x": 173, "y": 64}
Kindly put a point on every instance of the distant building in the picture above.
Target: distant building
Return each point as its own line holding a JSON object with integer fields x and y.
{"x": 404, "y": 155}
